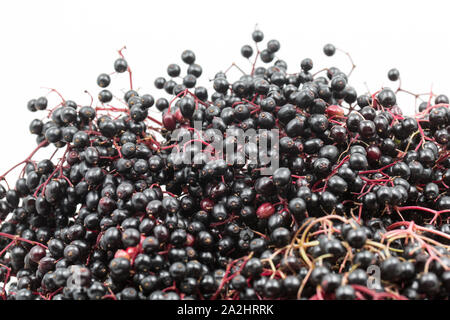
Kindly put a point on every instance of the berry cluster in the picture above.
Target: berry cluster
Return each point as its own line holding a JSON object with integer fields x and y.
{"x": 356, "y": 207}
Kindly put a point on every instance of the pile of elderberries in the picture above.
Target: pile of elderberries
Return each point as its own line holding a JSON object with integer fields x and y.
{"x": 277, "y": 185}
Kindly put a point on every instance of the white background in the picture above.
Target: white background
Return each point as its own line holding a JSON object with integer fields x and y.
{"x": 66, "y": 44}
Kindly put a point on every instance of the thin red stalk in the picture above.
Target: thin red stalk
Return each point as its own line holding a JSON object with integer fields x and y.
{"x": 43, "y": 143}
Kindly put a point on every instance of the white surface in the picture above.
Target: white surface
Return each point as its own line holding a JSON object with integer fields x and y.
{"x": 65, "y": 45}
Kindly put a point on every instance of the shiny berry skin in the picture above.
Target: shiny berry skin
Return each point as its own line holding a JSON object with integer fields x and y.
{"x": 188, "y": 57}
{"x": 265, "y": 210}
{"x": 393, "y": 74}
{"x": 257, "y": 36}
{"x": 345, "y": 293}
{"x": 387, "y": 98}
{"x": 173, "y": 70}
{"x": 246, "y": 51}
{"x": 105, "y": 96}
{"x": 356, "y": 238}
{"x": 329, "y": 50}
{"x": 120, "y": 65}
{"x": 103, "y": 80}
{"x": 41, "y": 103}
